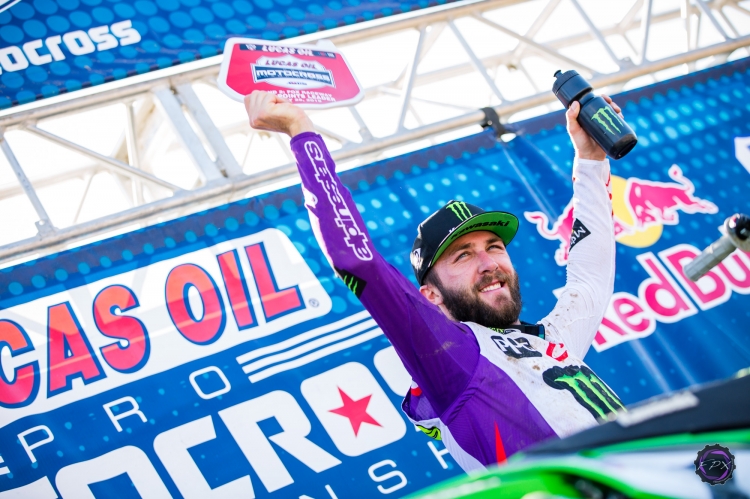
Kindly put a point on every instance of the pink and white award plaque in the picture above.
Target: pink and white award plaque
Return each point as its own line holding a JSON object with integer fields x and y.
{"x": 313, "y": 77}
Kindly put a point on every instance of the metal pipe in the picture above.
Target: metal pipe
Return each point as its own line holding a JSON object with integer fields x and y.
{"x": 215, "y": 193}
{"x": 190, "y": 140}
{"x": 645, "y": 28}
{"x": 131, "y": 140}
{"x": 707, "y": 12}
{"x": 538, "y": 46}
{"x": 507, "y": 58}
{"x": 364, "y": 131}
{"x": 106, "y": 160}
{"x": 598, "y": 34}
{"x": 509, "y": 108}
{"x": 411, "y": 73}
{"x": 114, "y": 92}
{"x": 728, "y": 22}
{"x": 630, "y": 15}
{"x": 475, "y": 61}
{"x": 40, "y": 183}
{"x": 126, "y": 90}
{"x": 324, "y": 131}
{"x": 83, "y": 198}
{"x": 536, "y": 26}
{"x": 44, "y": 225}
{"x": 224, "y": 156}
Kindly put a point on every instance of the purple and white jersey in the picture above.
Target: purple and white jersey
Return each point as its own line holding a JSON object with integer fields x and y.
{"x": 487, "y": 394}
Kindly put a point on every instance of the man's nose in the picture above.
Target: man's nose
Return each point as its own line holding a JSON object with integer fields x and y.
{"x": 486, "y": 263}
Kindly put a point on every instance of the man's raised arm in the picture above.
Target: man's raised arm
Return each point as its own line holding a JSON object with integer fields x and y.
{"x": 591, "y": 256}
{"x": 439, "y": 354}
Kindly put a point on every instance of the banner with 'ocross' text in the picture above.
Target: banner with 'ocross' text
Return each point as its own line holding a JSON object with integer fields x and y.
{"x": 218, "y": 356}
{"x": 49, "y": 47}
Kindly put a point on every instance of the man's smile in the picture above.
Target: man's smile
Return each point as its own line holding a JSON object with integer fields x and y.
{"x": 492, "y": 286}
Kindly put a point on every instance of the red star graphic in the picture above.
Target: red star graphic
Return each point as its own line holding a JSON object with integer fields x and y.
{"x": 355, "y": 410}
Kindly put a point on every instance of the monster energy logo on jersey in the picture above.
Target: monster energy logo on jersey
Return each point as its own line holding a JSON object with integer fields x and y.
{"x": 586, "y": 387}
{"x": 604, "y": 116}
{"x": 354, "y": 283}
{"x": 460, "y": 209}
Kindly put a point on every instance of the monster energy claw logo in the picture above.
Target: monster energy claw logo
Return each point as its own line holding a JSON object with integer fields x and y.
{"x": 354, "y": 283}
{"x": 604, "y": 116}
{"x": 586, "y": 387}
{"x": 431, "y": 432}
{"x": 460, "y": 209}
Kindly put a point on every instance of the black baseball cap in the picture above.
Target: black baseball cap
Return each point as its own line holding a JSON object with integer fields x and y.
{"x": 450, "y": 222}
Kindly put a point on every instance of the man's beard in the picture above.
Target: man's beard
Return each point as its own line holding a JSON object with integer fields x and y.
{"x": 467, "y": 306}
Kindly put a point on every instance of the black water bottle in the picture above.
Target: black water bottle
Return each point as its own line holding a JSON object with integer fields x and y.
{"x": 597, "y": 117}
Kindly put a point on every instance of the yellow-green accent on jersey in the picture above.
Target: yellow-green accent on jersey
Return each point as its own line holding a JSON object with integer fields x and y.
{"x": 431, "y": 432}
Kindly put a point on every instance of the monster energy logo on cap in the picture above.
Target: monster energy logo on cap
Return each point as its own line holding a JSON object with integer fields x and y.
{"x": 604, "y": 116}
{"x": 586, "y": 387}
{"x": 459, "y": 209}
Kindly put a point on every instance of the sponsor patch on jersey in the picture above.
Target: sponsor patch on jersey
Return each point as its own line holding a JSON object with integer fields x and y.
{"x": 579, "y": 233}
{"x": 515, "y": 347}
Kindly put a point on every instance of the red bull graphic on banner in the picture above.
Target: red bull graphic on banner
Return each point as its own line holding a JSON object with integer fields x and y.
{"x": 219, "y": 355}
{"x": 640, "y": 210}
{"x": 308, "y": 75}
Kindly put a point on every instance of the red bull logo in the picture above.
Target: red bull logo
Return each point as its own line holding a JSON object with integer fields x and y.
{"x": 655, "y": 203}
{"x": 640, "y": 210}
{"x": 561, "y": 230}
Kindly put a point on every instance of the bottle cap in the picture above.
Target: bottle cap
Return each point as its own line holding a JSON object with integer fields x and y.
{"x": 569, "y": 86}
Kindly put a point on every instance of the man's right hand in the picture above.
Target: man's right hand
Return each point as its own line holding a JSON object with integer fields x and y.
{"x": 275, "y": 114}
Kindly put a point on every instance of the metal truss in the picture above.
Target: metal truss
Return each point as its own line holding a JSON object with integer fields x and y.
{"x": 220, "y": 159}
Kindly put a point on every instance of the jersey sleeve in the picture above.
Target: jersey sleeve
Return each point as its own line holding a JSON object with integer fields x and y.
{"x": 439, "y": 354}
{"x": 591, "y": 260}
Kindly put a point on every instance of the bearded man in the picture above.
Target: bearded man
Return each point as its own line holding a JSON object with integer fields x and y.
{"x": 485, "y": 383}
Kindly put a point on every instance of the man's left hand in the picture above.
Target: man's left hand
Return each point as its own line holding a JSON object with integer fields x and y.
{"x": 585, "y": 146}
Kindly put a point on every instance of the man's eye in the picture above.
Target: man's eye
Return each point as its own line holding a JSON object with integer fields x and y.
{"x": 462, "y": 255}
{"x": 497, "y": 246}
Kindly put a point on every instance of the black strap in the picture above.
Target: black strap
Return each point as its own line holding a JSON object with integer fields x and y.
{"x": 531, "y": 329}
{"x": 524, "y": 327}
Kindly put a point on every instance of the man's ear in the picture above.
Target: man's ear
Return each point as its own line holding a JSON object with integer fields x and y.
{"x": 432, "y": 294}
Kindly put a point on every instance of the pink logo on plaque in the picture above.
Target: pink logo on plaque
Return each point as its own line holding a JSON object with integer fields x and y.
{"x": 308, "y": 75}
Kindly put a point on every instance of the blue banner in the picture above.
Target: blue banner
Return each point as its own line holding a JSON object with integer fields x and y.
{"x": 49, "y": 47}
{"x": 217, "y": 355}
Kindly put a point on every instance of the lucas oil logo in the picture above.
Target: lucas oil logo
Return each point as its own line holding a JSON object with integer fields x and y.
{"x": 86, "y": 340}
{"x": 290, "y": 72}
